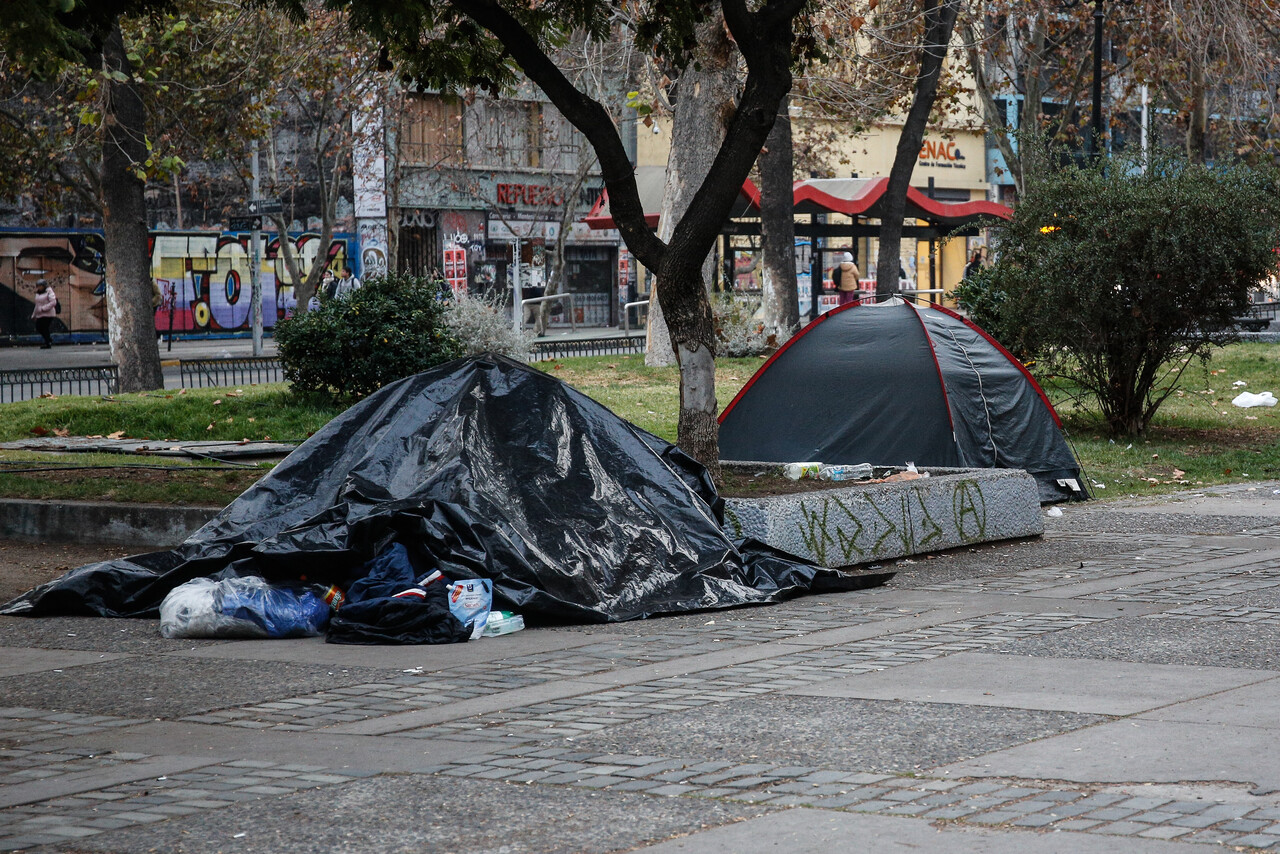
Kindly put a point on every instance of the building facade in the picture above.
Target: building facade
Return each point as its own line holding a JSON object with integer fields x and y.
{"x": 489, "y": 194}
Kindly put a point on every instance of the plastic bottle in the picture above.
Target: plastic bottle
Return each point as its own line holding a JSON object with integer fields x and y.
{"x": 502, "y": 623}
{"x": 861, "y": 471}
{"x": 795, "y": 471}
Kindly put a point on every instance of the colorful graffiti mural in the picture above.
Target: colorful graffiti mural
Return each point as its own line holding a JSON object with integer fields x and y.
{"x": 203, "y": 278}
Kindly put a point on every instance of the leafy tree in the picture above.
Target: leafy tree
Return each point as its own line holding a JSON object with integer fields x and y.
{"x": 1213, "y": 58}
{"x": 1032, "y": 52}
{"x": 49, "y": 38}
{"x": 440, "y": 43}
{"x": 1118, "y": 278}
{"x": 939, "y": 19}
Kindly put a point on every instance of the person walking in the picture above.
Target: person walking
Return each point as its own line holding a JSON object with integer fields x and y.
{"x": 847, "y": 279}
{"x": 346, "y": 283}
{"x": 974, "y": 265}
{"x": 45, "y": 311}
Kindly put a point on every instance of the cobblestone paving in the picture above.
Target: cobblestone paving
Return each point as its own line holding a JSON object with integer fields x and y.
{"x": 577, "y": 716}
{"x": 28, "y": 725}
{"x": 1004, "y": 803}
{"x": 1031, "y": 581}
{"x": 1196, "y": 587}
{"x": 64, "y": 819}
{"x": 1221, "y": 614}
{"x": 26, "y": 764}
{"x": 657, "y": 643}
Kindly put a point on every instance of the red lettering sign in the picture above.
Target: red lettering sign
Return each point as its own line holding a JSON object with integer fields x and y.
{"x": 528, "y": 194}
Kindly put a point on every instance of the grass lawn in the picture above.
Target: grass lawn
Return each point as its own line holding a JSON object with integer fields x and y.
{"x": 1197, "y": 439}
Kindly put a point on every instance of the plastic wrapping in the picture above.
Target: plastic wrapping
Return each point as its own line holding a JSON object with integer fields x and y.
{"x": 481, "y": 468}
{"x": 502, "y": 623}
{"x": 241, "y": 608}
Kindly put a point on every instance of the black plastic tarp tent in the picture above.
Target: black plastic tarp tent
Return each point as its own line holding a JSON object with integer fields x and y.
{"x": 483, "y": 467}
{"x": 891, "y": 383}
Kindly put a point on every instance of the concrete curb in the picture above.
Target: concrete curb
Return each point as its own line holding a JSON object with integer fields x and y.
{"x": 869, "y": 522}
{"x": 836, "y": 527}
{"x": 157, "y": 526}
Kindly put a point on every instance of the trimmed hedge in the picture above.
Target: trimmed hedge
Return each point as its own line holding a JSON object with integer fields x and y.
{"x": 350, "y": 347}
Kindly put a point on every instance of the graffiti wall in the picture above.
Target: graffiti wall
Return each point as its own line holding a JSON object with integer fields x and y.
{"x": 203, "y": 278}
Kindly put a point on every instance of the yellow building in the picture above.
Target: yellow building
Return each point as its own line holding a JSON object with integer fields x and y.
{"x": 950, "y": 168}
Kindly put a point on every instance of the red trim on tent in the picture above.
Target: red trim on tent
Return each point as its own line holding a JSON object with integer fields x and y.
{"x": 933, "y": 351}
{"x": 1012, "y": 358}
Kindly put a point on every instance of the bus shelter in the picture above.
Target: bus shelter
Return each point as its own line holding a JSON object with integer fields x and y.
{"x": 832, "y": 216}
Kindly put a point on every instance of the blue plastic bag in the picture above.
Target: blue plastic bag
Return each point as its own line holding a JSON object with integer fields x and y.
{"x": 470, "y": 601}
{"x": 245, "y": 607}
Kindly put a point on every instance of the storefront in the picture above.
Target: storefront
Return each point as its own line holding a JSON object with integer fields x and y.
{"x": 507, "y": 234}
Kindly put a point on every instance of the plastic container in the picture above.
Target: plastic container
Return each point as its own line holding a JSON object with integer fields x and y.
{"x": 796, "y": 471}
{"x": 502, "y": 623}
{"x": 861, "y": 471}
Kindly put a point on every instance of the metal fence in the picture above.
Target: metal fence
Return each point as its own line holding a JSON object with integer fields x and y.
{"x": 25, "y": 385}
{"x": 1264, "y": 310}
{"x": 543, "y": 351}
{"x": 199, "y": 373}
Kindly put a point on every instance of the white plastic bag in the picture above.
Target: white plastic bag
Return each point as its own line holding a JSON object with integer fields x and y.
{"x": 243, "y": 607}
{"x": 1246, "y": 399}
{"x": 194, "y": 610}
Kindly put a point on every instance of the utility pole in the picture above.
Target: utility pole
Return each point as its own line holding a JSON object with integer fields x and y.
{"x": 517, "y": 313}
{"x": 255, "y": 264}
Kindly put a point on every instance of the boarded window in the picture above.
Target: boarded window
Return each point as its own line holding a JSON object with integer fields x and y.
{"x": 431, "y": 131}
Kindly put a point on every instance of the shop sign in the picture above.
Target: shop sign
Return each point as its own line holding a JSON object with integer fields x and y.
{"x": 942, "y": 153}
{"x": 529, "y": 194}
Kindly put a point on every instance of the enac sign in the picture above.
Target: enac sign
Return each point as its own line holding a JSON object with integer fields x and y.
{"x": 944, "y": 152}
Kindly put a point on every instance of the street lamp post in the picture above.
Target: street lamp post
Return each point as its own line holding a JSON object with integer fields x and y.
{"x": 1095, "y": 132}
{"x": 1093, "y": 142}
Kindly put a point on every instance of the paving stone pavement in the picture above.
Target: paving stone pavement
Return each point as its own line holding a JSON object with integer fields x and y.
{"x": 672, "y": 733}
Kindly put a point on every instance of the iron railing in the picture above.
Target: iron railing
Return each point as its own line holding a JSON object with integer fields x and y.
{"x": 1264, "y": 310}
{"x": 543, "y": 351}
{"x": 29, "y": 384}
{"x": 199, "y": 373}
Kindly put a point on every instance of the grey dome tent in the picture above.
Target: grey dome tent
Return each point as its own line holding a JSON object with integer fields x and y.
{"x": 888, "y": 383}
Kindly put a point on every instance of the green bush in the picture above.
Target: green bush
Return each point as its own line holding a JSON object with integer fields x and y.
{"x": 350, "y": 347}
{"x": 1119, "y": 277}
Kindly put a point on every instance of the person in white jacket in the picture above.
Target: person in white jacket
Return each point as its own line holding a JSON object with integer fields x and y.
{"x": 45, "y": 311}
{"x": 346, "y": 283}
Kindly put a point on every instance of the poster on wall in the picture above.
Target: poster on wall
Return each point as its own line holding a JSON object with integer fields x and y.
{"x": 455, "y": 268}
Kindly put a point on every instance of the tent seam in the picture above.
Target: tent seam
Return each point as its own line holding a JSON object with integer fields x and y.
{"x": 986, "y": 407}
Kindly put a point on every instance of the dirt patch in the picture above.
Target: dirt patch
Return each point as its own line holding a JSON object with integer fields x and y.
{"x": 1215, "y": 441}
{"x": 27, "y": 565}
{"x": 764, "y": 481}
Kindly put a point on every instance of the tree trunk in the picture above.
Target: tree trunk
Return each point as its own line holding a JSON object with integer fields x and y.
{"x": 685, "y": 304}
{"x": 704, "y": 104}
{"x": 130, "y": 312}
{"x": 778, "y": 231}
{"x": 940, "y": 17}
